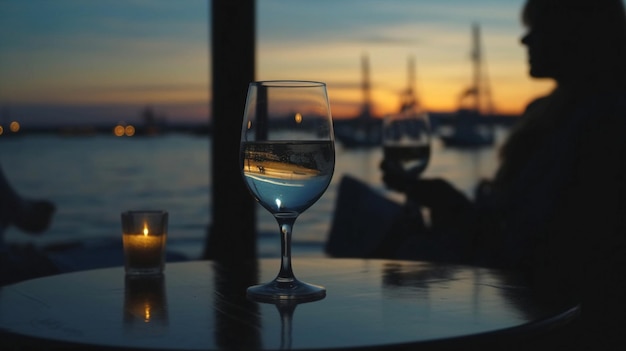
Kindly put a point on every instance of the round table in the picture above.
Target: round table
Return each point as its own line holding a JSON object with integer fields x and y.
{"x": 202, "y": 305}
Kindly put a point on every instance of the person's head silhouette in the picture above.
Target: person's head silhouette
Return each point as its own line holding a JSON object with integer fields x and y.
{"x": 577, "y": 42}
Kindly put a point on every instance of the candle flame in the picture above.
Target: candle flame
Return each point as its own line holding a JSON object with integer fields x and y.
{"x": 145, "y": 229}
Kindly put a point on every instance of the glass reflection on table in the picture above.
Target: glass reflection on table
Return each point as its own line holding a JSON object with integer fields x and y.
{"x": 145, "y": 305}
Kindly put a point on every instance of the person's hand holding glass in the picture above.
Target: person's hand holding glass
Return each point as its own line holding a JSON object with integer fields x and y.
{"x": 287, "y": 160}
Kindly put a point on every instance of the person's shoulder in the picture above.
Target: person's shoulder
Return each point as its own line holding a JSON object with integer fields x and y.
{"x": 536, "y": 104}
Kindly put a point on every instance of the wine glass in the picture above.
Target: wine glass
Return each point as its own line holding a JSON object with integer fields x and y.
{"x": 406, "y": 139}
{"x": 287, "y": 156}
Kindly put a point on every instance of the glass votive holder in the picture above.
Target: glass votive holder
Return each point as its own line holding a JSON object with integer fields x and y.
{"x": 144, "y": 234}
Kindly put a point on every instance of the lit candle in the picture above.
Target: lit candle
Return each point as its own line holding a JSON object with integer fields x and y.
{"x": 144, "y": 245}
{"x": 143, "y": 251}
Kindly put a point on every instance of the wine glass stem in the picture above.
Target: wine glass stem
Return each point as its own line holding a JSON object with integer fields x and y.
{"x": 286, "y": 225}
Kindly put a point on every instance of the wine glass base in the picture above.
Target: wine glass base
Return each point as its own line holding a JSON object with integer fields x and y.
{"x": 294, "y": 290}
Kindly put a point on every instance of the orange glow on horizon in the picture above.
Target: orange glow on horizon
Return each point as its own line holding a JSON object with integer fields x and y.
{"x": 512, "y": 101}
{"x": 436, "y": 92}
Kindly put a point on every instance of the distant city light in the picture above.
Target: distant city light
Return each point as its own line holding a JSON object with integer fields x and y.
{"x": 118, "y": 130}
{"x": 14, "y": 127}
{"x": 121, "y": 130}
{"x": 129, "y": 130}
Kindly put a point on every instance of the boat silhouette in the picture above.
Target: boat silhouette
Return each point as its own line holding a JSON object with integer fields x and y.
{"x": 470, "y": 125}
{"x": 364, "y": 130}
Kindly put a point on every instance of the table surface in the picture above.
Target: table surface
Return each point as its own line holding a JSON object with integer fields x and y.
{"x": 202, "y": 305}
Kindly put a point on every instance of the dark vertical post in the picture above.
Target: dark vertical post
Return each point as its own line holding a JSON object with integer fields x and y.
{"x": 233, "y": 229}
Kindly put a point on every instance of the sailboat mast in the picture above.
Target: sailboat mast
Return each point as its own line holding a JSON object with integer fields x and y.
{"x": 411, "y": 82}
{"x": 477, "y": 60}
{"x": 365, "y": 86}
{"x": 409, "y": 96}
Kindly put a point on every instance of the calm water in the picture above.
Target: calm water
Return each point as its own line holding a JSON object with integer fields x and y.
{"x": 92, "y": 179}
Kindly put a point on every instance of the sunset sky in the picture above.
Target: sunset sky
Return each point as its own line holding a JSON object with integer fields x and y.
{"x": 73, "y": 61}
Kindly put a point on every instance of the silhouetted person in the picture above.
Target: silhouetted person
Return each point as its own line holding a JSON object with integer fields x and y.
{"x": 30, "y": 216}
{"x": 556, "y": 207}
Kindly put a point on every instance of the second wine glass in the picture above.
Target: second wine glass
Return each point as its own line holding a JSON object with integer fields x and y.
{"x": 406, "y": 139}
{"x": 287, "y": 159}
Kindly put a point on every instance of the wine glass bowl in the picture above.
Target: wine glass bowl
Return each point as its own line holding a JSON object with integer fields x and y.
{"x": 407, "y": 138}
{"x": 287, "y": 156}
